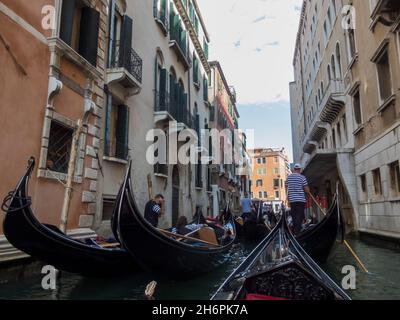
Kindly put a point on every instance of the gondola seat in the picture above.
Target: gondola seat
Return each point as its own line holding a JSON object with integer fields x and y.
{"x": 208, "y": 234}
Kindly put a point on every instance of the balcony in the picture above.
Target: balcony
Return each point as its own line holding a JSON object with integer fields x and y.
{"x": 333, "y": 101}
{"x": 167, "y": 110}
{"x": 330, "y": 106}
{"x": 125, "y": 70}
{"x": 386, "y": 6}
{"x": 161, "y": 17}
{"x": 178, "y": 42}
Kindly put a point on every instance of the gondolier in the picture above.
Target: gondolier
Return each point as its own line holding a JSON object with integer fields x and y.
{"x": 297, "y": 187}
{"x": 154, "y": 210}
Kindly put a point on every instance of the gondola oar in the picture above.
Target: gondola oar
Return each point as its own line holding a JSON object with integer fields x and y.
{"x": 345, "y": 241}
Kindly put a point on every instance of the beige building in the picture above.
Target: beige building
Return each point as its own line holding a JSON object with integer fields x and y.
{"x": 171, "y": 38}
{"x": 345, "y": 109}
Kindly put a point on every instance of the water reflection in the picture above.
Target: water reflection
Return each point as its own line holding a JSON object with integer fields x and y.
{"x": 381, "y": 283}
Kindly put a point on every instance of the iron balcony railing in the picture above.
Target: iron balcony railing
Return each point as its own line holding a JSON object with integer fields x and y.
{"x": 127, "y": 58}
{"x": 180, "y": 112}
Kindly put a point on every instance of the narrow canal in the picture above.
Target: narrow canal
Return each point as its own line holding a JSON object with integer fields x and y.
{"x": 381, "y": 283}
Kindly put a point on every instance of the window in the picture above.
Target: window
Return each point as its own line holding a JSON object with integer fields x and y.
{"x": 264, "y": 171}
{"x": 333, "y": 139}
{"x": 384, "y": 79}
{"x": 352, "y": 43}
{"x": 161, "y": 11}
{"x": 108, "y": 209}
{"x": 265, "y": 194}
{"x": 276, "y": 183}
{"x": 339, "y": 61}
{"x": 60, "y": 142}
{"x": 259, "y": 183}
{"x": 339, "y": 133}
{"x": 345, "y": 133}
{"x": 357, "y": 108}
{"x": 276, "y": 159}
{"x": 276, "y": 171}
{"x": 363, "y": 182}
{"x": 80, "y": 29}
{"x": 161, "y": 94}
{"x": 259, "y": 172}
{"x": 395, "y": 178}
{"x": 196, "y": 71}
{"x": 260, "y": 195}
{"x": 117, "y": 130}
{"x": 277, "y": 194}
{"x": 377, "y": 182}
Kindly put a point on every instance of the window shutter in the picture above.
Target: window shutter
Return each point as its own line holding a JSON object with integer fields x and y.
{"x": 67, "y": 20}
{"x": 185, "y": 112}
{"x": 126, "y": 42}
{"x": 122, "y": 132}
{"x": 163, "y": 13}
{"x": 183, "y": 41}
{"x": 108, "y": 124}
{"x": 89, "y": 34}
{"x": 163, "y": 89}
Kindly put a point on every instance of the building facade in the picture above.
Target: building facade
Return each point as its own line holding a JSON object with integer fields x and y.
{"x": 269, "y": 175}
{"x": 224, "y": 117}
{"x": 345, "y": 112}
{"x": 137, "y": 74}
{"x": 52, "y": 58}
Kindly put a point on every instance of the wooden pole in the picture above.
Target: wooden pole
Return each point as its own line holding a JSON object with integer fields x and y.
{"x": 70, "y": 176}
{"x": 345, "y": 241}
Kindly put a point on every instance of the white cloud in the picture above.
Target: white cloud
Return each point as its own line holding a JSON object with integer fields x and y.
{"x": 254, "y": 41}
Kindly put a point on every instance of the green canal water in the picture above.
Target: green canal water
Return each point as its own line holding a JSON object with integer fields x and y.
{"x": 383, "y": 281}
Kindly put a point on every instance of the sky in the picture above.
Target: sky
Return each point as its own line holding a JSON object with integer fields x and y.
{"x": 254, "y": 41}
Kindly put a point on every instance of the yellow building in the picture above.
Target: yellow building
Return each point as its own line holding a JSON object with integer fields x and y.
{"x": 270, "y": 171}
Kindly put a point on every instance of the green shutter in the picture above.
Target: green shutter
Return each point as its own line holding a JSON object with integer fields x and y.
{"x": 163, "y": 89}
{"x": 107, "y": 135}
{"x": 89, "y": 34}
{"x": 122, "y": 132}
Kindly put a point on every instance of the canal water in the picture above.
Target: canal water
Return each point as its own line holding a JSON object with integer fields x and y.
{"x": 383, "y": 281}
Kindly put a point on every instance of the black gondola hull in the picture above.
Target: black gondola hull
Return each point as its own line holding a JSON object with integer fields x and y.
{"x": 50, "y": 245}
{"x": 159, "y": 253}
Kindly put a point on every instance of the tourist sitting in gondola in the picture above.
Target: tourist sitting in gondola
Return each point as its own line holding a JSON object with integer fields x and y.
{"x": 184, "y": 228}
{"x": 227, "y": 238}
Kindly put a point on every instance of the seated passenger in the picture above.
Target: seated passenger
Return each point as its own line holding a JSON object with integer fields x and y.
{"x": 227, "y": 238}
{"x": 183, "y": 228}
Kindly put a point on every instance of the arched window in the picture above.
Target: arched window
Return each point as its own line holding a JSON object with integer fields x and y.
{"x": 333, "y": 64}
{"x": 161, "y": 83}
{"x": 329, "y": 72}
{"x": 338, "y": 59}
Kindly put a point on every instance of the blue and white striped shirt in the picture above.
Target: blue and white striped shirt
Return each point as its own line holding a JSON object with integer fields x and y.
{"x": 295, "y": 184}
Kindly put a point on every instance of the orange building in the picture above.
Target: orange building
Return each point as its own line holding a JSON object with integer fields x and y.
{"x": 270, "y": 171}
{"x": 52, "y": 75}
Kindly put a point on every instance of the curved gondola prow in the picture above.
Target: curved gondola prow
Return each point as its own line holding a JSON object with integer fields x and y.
{"x": 13, "y": 201}
{"x": 307, "y": 260}
{"x": 252, "y": 257}
{"x": 118, "y": 204}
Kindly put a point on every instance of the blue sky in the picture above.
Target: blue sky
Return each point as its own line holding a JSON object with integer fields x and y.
{"x": 254, "y": 41}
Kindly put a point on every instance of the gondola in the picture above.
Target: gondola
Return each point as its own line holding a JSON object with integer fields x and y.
{"x": 319, "y": 239}
{"x": 158, "y": 251}
{"x": 48, "y": 243}
{"x": 253, "y": 230}
{"x": 279, "y": 269}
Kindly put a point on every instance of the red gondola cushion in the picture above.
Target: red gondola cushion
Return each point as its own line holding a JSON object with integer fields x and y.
{"x": 253, "y": 296}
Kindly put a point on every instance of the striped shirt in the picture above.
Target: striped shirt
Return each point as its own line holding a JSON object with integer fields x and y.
{"x": 295, "y": 185}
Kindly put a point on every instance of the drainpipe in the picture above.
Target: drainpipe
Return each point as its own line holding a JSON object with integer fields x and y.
{"x": 112, "y": 31}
